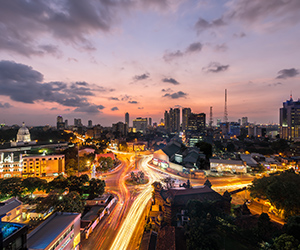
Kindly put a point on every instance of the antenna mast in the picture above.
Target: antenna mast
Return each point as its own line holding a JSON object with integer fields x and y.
{"x": 210, "y": 118}
{"x": 225, "y": 109}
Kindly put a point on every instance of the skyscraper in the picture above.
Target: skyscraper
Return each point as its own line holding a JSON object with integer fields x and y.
{"x": 90, "y": 123}
{"x": 167, "y": 120}
{"x": 140, "y": 124}
{"x": 244, "y": 121}
{"x": 290, "y": 120}
{"x": 186, "y": 112}
{"x": 60, "y": 123}
{"x": 150, "y": 121}
{"x": 197, "y": 122}
{"x": 127, "y": 119}
{"x": 176, "y": 120}
{"x": 77, "y": 122}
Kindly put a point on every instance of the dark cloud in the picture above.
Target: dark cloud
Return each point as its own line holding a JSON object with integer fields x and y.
{"x": 274, "y": 12}
{"x": 140, "y": 107}
{"x": 170, "y": 80}
{"x": 176, "y": 95}
{"x": 167, "y": 90}
{"x": 192, "y": 48}
{"x": 215, "y": 67}
{"x": 169, "y": 56}
{"x": 141, "y": 77}
{"x": 5, "y": 105}
{"x": 53, "y": 109}
{"x": 24, "y": 84}
{"x": 91, "y": 108}
{"x": 239, "y": 35}
{"x": 114, "y": 108}
{"x": 132, "y": 102}
{"x": 221, "y": 47}
{"x": 275, "y": 84}
{"x": 114, "y": 98}
{"x": 287, "y": 73}
{"x": 125, "y": 98}
{"x": 178, "y": 106}
{"x": 203, "y": 24}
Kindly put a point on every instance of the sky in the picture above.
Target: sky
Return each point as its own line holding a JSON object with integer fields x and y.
{"x": 97, "y": 60}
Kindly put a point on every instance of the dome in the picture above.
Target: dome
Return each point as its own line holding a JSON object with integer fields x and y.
{"x": 23, "y": 134}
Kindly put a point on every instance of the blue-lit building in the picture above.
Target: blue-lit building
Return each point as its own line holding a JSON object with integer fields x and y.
{"x": 13, "y": 236}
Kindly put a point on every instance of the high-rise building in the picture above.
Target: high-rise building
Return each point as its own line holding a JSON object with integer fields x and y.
{"x": 186, "y": 112}
{"x": 197, "y": 122}
{"x": 66, "y": 124}
{"x": 90, "y": 123}
{"x": 140, "y": 124}
{"x": 290, "y": 120}
{"x": 127, "y": 119}
{"x": 77, "y": 122}
{"x": 60, "y": 123}
{"x": 244, "y": 121}
{"x": 120, "y": 129}
{"x": 176, "y": 120}
{"x": 150, "y": 121}
{"x": 167, "y": 120}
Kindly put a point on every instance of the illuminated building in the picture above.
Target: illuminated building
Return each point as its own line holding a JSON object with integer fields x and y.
{"x": 290, "y": 120}
{"x": 60, "y": 125}
{"x": 172, "y": 120}
{"x": 11, "y": 210}
{"x": 234, "y": 166}
{"x": 23, "y": 137}
{"x": 140, "y": 124}
{"x": 31, "y": 166}
{"x": 127, "y": 119}
{"x": 186, "y": 112}
{"x": 59, "y": 231}
{"x": 197, "y": 122}
{"x": 44, "y": 165}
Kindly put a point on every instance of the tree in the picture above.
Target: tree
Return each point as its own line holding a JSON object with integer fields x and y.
{"x": 206, "y": 148}
{"x": 280, "y": 189}
{"x": 96, "y": 188}
{"x": 30, "y": 184}
{"x": 169, "y": 182}
{"x": 59, "y": 183}
{"x": 71, "y": 202}
{"x": 286, "y": 242}
{"x": 11, "y": 187}
{"x": 292, "y": 227}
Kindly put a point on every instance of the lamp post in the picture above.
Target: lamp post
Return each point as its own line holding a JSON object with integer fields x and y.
{"x": 78, "y": 159}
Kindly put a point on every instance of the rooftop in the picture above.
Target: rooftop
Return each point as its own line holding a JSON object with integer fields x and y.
{"x": 9, "y": 205}
{"x": 50, "y": 229}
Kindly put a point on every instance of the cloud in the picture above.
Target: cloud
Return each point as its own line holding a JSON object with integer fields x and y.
{"x": 275, "y": 84}
{"x": 53, "y": 109}
{"x": 221, "y": 47}
{"x": 239, "y": 35}
{"x": 126, "y": 98}
{"x": 178, "y": 106}
{"x": 132, "y": 102}
{"x": 287, "y": 73}
{"x": 114, "y": 108}
{"x": 140, "y": 107}
{"x": 114, "y": 98}
{"x": 265, "y": 14}
{"x": 92, "y": 109}
{"x": 203, "y": 24}
{"x": 170, "y": 80}
{"x": 169, "y": 56}
{"x": 192, "y": 48}
{"x": 141, "y": 77}
{"x": 215, "y": 67}
{"x": 5, "y": 105}
{"x": 176, "y": 95}
{"x": 167, "y": 90}
{"x": 24, "y": 84}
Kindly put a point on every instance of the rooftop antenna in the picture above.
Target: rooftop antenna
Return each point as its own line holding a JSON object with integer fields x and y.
{"x": 210, "y": 118}
{"x": 225, "y": 109}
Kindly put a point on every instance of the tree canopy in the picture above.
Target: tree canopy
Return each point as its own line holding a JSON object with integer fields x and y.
{"x": 282, "y": 190}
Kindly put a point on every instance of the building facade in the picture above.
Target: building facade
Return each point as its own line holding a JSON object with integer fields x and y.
{"x": 197, "y": 122}
{"x": 290, "y": 120}
{"x": 186, "y": 112}
{"x": 127, "y": 119}
{"x": 140, "y": 124}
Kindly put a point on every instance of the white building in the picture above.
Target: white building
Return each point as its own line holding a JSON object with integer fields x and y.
{"x": 234, "y": 166}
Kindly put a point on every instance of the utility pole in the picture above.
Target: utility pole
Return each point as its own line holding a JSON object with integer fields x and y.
{"x": 78, "y": 159}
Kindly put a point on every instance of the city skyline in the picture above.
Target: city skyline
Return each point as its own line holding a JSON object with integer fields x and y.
{"x": 99, "y": 60}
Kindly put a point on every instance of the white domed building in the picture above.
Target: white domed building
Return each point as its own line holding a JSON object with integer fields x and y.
{"x": 23, "y": 134}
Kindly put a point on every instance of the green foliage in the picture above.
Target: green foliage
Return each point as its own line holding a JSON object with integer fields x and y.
{"x": 31, "y": 184}
{"x": 59, "y": 184}
{"x": 281, "y": 190}
{"x": 286, "y": 242}
{"x": 137, "y": 178}
{"x": 11, "y": 187}
{"x": 292, "y": 227}
{"x": 106, "y": 163}
{"x": 96, "y": 188}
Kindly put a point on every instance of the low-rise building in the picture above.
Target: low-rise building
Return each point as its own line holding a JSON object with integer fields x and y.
{"x": 59, "y": 231}
{"x": 11, "y": 210}
{"x": 234, "y": 166}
